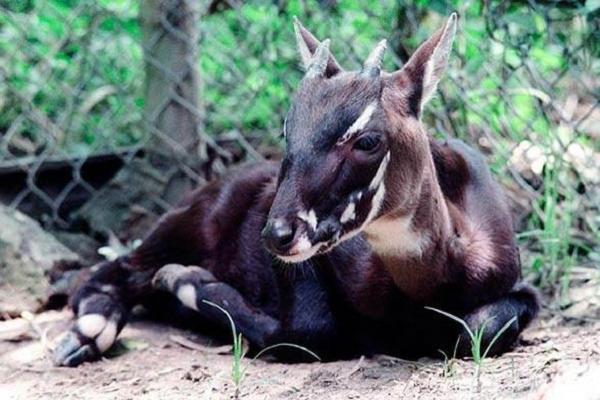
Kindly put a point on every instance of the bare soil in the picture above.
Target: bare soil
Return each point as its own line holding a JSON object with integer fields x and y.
{"x": 163, "y": 362}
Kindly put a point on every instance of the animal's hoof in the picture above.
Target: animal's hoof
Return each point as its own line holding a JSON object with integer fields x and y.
{"x": 165, "y": 278}
{"x": 71, "y": 351}
{"x": 171, "y": 276}
{"x": 92, "y": 335}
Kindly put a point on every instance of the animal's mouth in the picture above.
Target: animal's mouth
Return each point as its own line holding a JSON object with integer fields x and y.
{"x": 304, "y": 249}
{"x": 295, "y": 256}
{"x": 313, "y": 237}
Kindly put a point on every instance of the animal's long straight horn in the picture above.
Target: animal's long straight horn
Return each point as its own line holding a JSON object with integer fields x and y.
{"x": 372, "y": 67}
{"x": 318, "y": 62}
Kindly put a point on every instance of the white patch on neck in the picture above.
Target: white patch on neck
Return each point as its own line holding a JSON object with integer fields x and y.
{"x": 395, "y": 237}
{"x": 360, "y": 122}
{"x": 349, "y": 213}
{"x": 310, "y": 218}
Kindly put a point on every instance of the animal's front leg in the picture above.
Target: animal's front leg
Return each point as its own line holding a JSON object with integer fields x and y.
{"x": 102, "y": 303}
{"x": 101, "y": 306}
{"x": 100, "y": 318}
{"x": 192, "y": 285}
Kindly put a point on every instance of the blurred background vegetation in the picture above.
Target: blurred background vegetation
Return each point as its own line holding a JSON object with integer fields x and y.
{"x": 523, "y": 86}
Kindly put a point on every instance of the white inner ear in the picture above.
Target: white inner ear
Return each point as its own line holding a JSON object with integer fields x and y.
{"x": 438, "y": 60}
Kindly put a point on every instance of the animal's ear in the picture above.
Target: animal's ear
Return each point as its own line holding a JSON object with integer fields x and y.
{"x": 420, "y": 75}
{"x": 307, "y": 45}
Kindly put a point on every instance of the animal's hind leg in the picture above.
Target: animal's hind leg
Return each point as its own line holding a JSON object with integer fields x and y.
{"x": 521, "y": 302}
{"x": 192, "y": 285}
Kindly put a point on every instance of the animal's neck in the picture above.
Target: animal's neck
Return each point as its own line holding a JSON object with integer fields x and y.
{"x": 411, "y": 239}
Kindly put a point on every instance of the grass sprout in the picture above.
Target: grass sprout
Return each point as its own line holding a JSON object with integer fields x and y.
{"x": 237, "y": 370}
{"x": 476, "y": 339}
{"x": 449, "y": 366}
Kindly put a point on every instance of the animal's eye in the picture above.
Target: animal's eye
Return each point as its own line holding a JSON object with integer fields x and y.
{"x": 366, "y": 143}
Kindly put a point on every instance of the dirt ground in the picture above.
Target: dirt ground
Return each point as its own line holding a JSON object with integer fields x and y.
{"x": 156, "y": 361}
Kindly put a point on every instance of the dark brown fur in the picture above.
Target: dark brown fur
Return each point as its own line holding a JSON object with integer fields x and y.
{"x": 361, "y": 292}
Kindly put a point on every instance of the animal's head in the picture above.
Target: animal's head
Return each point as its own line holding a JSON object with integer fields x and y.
{"x": 355, "y": 145}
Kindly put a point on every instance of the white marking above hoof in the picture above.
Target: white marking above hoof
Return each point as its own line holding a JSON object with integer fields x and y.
{"x": 106, "y": 339}
{"x": 168, "y": 275}
{"x": 91, "y": 325}
{"x": 187, "y": 295}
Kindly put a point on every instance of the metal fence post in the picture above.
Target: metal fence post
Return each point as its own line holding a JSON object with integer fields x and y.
{"x": 174, "y": 150}
{"x": 170, "y": 33}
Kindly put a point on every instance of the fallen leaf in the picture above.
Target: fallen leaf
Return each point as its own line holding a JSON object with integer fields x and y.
{"x": 124, "y": 346}
{"x": 188, "y": 344}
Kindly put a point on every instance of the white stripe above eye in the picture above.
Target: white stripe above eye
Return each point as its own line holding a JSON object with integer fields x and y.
{"x": 360, "y": 122}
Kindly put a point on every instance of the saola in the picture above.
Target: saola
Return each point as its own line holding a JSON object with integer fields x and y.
{"x": 376, "y": 219}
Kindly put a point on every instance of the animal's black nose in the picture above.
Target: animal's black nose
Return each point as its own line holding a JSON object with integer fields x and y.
{"x": 278, "y": 235}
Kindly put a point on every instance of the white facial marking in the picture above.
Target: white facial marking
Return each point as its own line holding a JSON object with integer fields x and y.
{"x": 310, "y": 218}
{"x": 349, "y": 213}
{"x": 107, "y": 337}
{"x": 304, "y": 249}
{"x": 187, "y": 295}
{"x": 360, "y": 122}
{"x": 378, "y": 178}
{"x": 278, "y": 223}
{"x": 91, "y": 325}
{"x": 303, "y": 245}
{"x": 375, "y": 204}
{"x": 107, "y": 289}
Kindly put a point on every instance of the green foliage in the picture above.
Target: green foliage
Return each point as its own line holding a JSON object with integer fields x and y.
{"x": 76, "y": 63}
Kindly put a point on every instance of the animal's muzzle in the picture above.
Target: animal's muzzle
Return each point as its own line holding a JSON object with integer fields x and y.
{"x": 278, "y": 235}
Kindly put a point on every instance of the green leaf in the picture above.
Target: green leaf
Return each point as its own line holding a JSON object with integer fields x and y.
{"x": 125, "y": 345}
{"x": 455, "y": 318}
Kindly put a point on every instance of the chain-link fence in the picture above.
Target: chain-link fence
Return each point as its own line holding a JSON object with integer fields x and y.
{"x": 111, "y": 109}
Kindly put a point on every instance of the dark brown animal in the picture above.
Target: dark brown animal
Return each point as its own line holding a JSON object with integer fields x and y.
{"x": 379, "y": 220}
